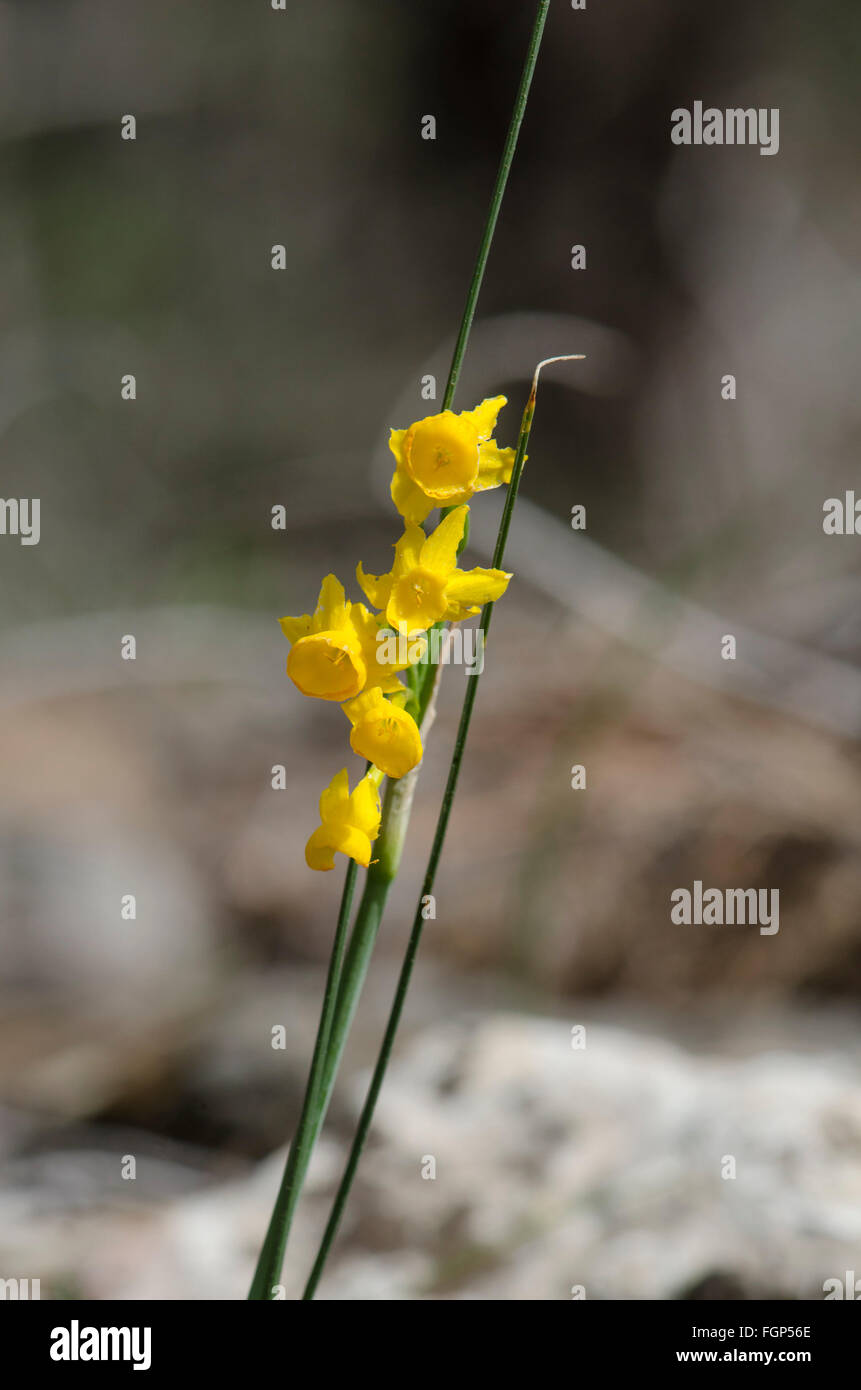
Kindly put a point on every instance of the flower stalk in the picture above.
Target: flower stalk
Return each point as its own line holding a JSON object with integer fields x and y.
{"x": 311, "y": 1118}
{"x": 496, "y": 199}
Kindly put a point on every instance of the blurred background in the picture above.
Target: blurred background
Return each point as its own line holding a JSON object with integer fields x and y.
{"x": 602, "y": 1166}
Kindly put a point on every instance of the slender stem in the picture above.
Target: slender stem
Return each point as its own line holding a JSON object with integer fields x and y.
{"x": 268, "y": 1271}
{"x": 495, "y": 202}
{"x": 348, "y": 967}
{"x": 368, "y": 918}
{"x": 378, "y": 1077}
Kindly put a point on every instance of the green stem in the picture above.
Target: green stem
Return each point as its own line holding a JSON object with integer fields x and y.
{"x": 380, "y": 876}
{"x": 496, "y": 201}
{"x": 344, "y": 981}
{"x": 271, "y": 1258}
{"x": 403, "y": 984}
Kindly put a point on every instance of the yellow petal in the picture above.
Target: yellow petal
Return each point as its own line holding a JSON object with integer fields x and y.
{"x": 365, "y": 808}
{"x": 468, "y": 590}
{"x": 353, "y": 842}
{"x": 319, "y": 851}
{"x": 364, "y": 706}
{"x": 389, "y": 684}
{"x": 408, "y": 550}
{"x": 332, "y": 609}
{"x": 346, "y": 839}
{"x": 494, "y": 466}
{"x": 294, "y": 628}
{"x": 376, "y": 588}
{"x": 396, "y": 439}
{"x": 335, "y": 798}
{"x": 483, "y": 418}
{"x": 408, "y": 497}
{"x": 439, "y": 552}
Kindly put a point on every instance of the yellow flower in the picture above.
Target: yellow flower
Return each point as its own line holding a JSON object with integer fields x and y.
{"x": 333, "y": 653}
{"x": 425, "y": 585}
{"x": 445, "y": 459}
{"x": 384, "y": 733}
{"x": 350, "y": 821}
{"x": 326, "y": 655}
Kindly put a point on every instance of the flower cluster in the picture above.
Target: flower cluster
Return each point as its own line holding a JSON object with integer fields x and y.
{"x": 335, "y": 652}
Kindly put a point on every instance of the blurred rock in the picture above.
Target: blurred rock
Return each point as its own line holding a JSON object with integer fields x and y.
{"x": 555, "y": 1167}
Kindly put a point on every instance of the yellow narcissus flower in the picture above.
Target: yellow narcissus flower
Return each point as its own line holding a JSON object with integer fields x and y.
{"x": 384, "y": 733}
{"x": 326, "y": 655}
{"x": 333, "y": 653}
{"x": 425, "y": 584}
{"x": 445, "y": 459}
{"x": 350, "y": 821}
